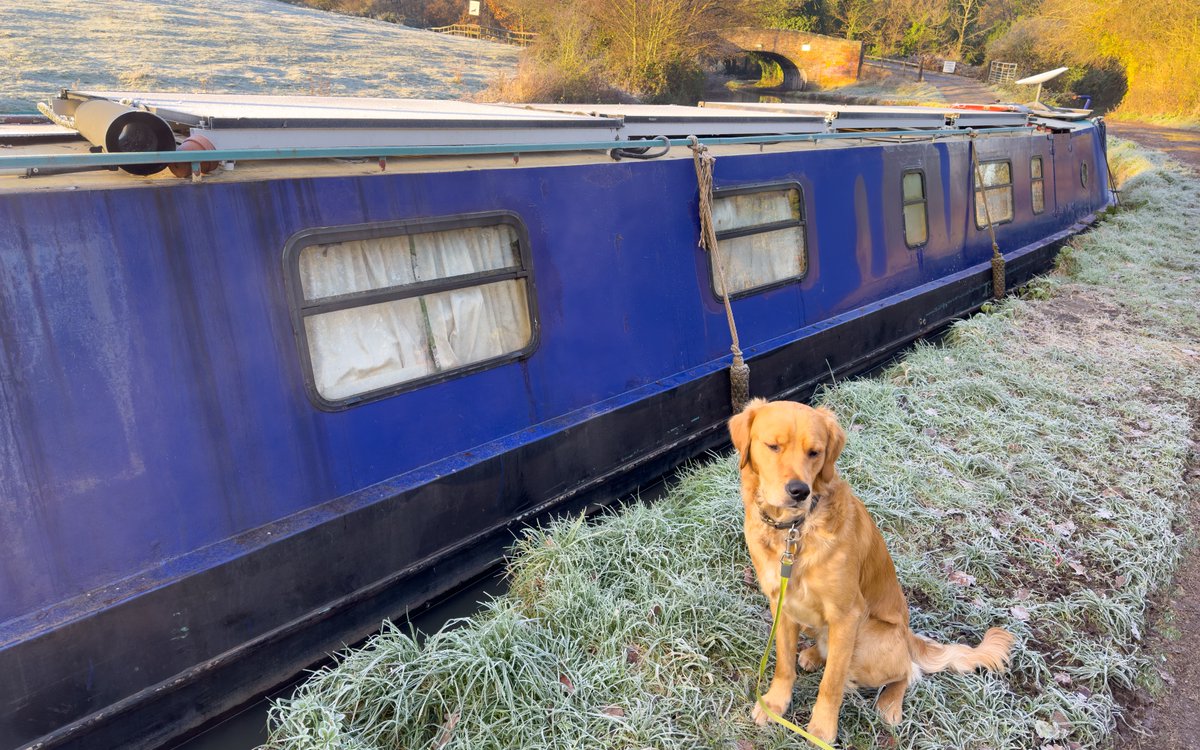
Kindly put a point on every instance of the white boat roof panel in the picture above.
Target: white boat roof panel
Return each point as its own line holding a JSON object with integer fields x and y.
{"x": 217, "y": 108}
{"x": 32, "y": 132}
{"x": 676, "y": 121}
{"x": 848, "y": 116}
{"x": 412, "y": 121}
{"x": 856, "y": 116}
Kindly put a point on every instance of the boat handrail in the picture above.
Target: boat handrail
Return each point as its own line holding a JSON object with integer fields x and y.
{"x": 13, "y": 164}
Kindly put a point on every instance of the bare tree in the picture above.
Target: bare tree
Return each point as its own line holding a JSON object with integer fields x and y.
{"x": 648, "y": 47}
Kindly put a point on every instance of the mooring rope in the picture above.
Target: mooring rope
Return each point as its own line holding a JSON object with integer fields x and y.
{"x": 1112, "y": 181}
{"x": 739, "y": 371}
{"x": 997, "y": 258}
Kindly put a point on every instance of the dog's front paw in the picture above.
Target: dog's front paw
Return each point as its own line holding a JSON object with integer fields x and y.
{"x": 823, "y": 729}
{"x": 774, "y": 702}
{"x": 810, "y": 659}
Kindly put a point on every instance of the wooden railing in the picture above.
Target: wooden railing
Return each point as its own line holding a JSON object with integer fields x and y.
{"x": 489, "y": 33}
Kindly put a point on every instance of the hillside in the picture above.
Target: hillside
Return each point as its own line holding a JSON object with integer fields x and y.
{"x": 238, "y": 46}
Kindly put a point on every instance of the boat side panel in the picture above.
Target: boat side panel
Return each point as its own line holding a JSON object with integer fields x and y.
{"x": 156, "y": 393}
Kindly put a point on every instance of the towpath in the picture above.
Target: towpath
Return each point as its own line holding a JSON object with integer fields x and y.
{"x": 954, "y": 88}
{"x": 1181, "y": 143}
{"x": 1170, "y": 718}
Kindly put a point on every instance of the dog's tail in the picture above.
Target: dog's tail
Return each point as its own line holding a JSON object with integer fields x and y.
{"x": 992, "y": 653}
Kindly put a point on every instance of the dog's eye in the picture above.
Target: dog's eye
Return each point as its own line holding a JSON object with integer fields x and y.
{"x": 814, "y": 453}
{"x": 773, "y": 447}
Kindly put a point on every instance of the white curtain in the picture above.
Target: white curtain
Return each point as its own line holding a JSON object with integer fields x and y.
{"x": 380, "y": 344}
{"x": 763, "y": 258}
{"x": 752, "y": 209}
{"x": 999, "y": 206}
{"x": 998, "y": 192}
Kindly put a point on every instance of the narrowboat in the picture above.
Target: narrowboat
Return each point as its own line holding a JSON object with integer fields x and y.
{"x": 275, "y": 369}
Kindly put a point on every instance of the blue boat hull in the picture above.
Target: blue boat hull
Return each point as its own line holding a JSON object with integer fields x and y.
{"x": 192, "y": 529}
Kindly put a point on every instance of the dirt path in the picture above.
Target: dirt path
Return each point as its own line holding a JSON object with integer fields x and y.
{"x": 961, "y": 89}
{"x": 1170, "y": 721}
{"x": 954, "y": 88}
{"x": 1181, "y": 143}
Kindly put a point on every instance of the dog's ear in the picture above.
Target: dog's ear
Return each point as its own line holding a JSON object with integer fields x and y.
{"x": 835, "y": 440}
{"x": 739, "y": 429}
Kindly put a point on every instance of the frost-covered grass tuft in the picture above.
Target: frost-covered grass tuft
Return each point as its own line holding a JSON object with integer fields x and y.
{"x": 1027, "y": 472}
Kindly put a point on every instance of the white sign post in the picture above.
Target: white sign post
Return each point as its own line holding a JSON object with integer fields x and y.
{"x": 473, "y": 8}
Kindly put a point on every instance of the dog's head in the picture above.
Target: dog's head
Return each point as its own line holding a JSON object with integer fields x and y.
{"x": 788, "y": 453}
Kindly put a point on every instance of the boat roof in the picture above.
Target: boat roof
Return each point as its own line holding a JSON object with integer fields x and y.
{"x": 864, "y": 116}
{"x": 677, "y": 121}
{"x": 253, "y": 121}
{"x": 343, "y": 134}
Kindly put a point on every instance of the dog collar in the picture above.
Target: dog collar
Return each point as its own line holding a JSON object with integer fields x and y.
{"x": 762, "y": 516}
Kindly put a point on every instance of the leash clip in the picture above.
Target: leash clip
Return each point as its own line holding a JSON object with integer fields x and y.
{"x": 789, "y": 552}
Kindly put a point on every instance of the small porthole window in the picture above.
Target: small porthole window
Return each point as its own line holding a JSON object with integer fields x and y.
{"x": 387, "y": 307}
{"x": 916, "y": 217}
{"x": 1037, "y": 185}
{"x": 1083, "y": 174}
{"x": 760, "y": 237}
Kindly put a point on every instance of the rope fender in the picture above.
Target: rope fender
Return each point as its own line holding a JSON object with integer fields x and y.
{"x": 998, "y": 288}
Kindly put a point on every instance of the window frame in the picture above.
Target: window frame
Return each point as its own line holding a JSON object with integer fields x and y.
{"x": 905, "y": 203}
{"x": 300, "y": 308}
{"x": 1041, "y": 179}
{"x": 978, "y": 189}
{"x": 801, "y": 221}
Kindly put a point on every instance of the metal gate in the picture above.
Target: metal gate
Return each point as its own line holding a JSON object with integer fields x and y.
{"x": 1002, "y": 72}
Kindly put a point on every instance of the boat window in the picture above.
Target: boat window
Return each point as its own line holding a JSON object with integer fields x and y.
{"x": 916, "y": 231}
{"x": 760, "y": 236}
{"x": 1037, "y": 184}
{"x": 997, "y": 187}
{"x": 1083, "y": 174}
{"x": 387, "y": 307}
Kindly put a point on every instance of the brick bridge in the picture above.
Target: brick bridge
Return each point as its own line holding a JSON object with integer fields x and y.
{"x": 806, "y": 59}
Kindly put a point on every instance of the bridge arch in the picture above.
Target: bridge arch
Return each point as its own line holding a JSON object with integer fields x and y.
{"x": 823, "y": 60}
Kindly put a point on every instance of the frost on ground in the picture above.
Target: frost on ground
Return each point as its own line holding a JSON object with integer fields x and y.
{"x": 1029, "y": 472}
{"x": 229, "y": 46}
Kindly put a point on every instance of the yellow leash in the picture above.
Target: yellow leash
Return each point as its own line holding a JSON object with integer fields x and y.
{"x": 785, "y": 572}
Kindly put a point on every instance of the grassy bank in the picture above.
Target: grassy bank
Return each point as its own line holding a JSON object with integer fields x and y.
{"x": 1028, "y": 472}
{"x": 229, "y": 46}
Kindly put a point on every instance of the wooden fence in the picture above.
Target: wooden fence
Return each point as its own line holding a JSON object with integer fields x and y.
{"x": 488, "y": 33}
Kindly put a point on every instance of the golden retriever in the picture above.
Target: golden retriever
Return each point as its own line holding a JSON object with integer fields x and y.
{"x": 843, "y": 592}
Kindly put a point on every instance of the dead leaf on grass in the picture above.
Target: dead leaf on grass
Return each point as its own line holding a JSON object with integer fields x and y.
{"x": 1064, "y": 529}
{"x": 962, "y": 579}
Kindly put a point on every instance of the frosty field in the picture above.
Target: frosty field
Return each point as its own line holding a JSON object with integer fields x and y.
{"x": 234, "y": 46}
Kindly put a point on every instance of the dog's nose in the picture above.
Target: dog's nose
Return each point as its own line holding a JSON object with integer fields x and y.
{"x": 796, "y": 489}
